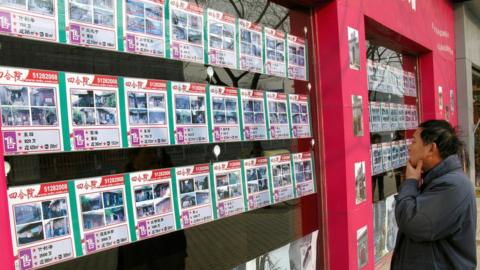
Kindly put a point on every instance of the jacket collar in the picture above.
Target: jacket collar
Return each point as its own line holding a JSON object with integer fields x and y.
{"x": 447, "y": 165}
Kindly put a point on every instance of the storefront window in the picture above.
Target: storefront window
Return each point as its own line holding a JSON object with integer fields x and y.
{"x": 220, "y": 244}
{"x": 393, "y": 99}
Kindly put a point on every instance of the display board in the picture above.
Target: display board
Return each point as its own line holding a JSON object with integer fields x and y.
{"x": 253, "y": 115}
{"x": 29, "y": 19}
{"x": 221, "y": 39}
{"x": 186, "y": 31}
{"x": 257, "y": 180}
{"x": 228, "y": 186}
{"x": 94, "y": 111}
{"x": 299, "y": 109}
{"x": 41, "y": 224}
{"x": 224, "y": 110}
{"x": 303, "y": 174}
{"x": 190, "y": 117}
{"x": 194, "y": 195}
{"x": 281, "y": 178}
{"x": 144, "y": 27}
{"x": 31, "y": 118}
{"x": 278, "y": 123}
{"x": 91, "y": 23}
{"x": 102, "y": 213}
{"x": 151, "y": 196}
{"x": 147, "y": 112}
{"x": 274, "y": 49}
{"x": 251, "y": 46}
{"x": 297, "y": 60}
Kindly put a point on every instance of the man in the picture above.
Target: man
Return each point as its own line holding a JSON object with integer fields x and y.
{"x": 435, "y": 207}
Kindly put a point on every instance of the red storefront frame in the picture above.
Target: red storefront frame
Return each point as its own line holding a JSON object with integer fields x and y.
{"x": 424, "y": 28}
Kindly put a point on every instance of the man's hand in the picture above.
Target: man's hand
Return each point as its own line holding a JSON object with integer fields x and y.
{"x": 414, "y": 172}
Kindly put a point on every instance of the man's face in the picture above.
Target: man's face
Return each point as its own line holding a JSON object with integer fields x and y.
{"x": 417, "y": 150}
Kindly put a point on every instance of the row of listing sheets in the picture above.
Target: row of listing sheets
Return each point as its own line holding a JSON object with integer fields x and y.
{"x": 49, "y": 111}
{"x": 58, "y": 221}
{"x": 171, "y": 29}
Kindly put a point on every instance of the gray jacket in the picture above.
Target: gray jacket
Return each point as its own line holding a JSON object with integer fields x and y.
{"x": 436, "y": 222}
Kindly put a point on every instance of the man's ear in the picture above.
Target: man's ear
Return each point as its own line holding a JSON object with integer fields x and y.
{"x": 434, "y": 150}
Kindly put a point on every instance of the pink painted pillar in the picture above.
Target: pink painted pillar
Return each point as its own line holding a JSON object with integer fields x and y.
{"x": 338, "y": 82}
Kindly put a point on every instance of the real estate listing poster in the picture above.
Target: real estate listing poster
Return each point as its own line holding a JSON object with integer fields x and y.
{"x": 152, "y": 202}
{"x": 380, "y": 229}
{"x": 362, "y": 247}
{"x": 222, "y": 37}
{"x": 408, "y": 117}
{"x": 360, "y": 182}
{"x": 353, "y": 48}
{"x": 392, "y": 228}
{"x": 257, "y": 181}
{"x": 304, "y": 173}
{"x": 228, "y": 188}
{"x": 375, "y": 117}
{"x": 395, "y": 146}
{"x": 32, "y": 19}
{"x": 408, "y": 142}
{"x": 194, "y": 198}
{"x": 385, "y": 112}
{"x": 281, "y": 176}
{"x": 357, "y": 115}
{"x": 94, "y": 111}
{"x": 303, "y": 252}
{"x": 186, "y": 31}
{"x": 275, "y": 62}
{"x": 190, "y": 118}
{"x": 394, "y": 116}
{"x": 144, "y": 27}
{"x": 251, "y": 52}
{"x": 387, "y": 156}
{"x": 414, "y": 114}
{"x": 31, "y": 118}
{"x": 91, "y": 23}
{"x": 41, "y": 224}
{"x": 377, "y": 159}
{"x": 253, "y": 115}
{"x": 147, "y": 109}
{"x": 278, "y": 124}
{"x": 102, "y": 214}
{"x": 300, "y": 116}
{"x": 402, "y": 155}
{"x": 297, "y": 58}
{"x": 401, "y": 117}
{"x": 224, "y": 113}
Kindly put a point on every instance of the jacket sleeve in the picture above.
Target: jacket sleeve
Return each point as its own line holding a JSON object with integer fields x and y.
{"x": 431, "y": 215}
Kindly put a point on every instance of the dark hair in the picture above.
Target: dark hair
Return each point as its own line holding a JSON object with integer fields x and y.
{"x": 443, "y": 135}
